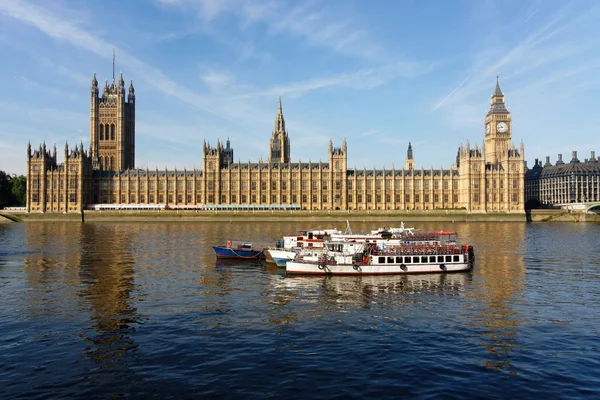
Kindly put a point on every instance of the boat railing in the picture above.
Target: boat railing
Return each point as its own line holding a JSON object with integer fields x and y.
{"x": 418, "y": 250}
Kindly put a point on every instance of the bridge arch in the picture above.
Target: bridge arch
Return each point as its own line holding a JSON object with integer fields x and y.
{"x": 593, "y": 207}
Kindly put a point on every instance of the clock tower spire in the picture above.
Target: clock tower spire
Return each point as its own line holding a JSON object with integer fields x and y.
{"x": 498, "y": 127}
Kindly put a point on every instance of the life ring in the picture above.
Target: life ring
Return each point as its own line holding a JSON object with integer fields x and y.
{"x": 229, "y": 244}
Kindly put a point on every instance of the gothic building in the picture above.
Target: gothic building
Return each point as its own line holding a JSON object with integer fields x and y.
{"x": 484, "y": 179}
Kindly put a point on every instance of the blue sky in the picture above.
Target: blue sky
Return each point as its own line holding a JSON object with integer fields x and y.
{"x": 377, "y": 73}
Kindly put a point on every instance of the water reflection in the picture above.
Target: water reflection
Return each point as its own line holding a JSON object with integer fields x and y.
{"x": 501, "y": 274}
{"x": 81, "y": 269}
{"x": 107, "y": 281}
{"x": 362, "y": 291}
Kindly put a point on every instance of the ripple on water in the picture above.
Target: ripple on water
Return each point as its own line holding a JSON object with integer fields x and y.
{"x": 143, "y": 310}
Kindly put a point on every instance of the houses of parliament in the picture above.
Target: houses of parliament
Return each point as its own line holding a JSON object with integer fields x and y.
{"x": 485, "y": 178}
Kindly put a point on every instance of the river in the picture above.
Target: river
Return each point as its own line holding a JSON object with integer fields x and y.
{"x": 143, "y": 310}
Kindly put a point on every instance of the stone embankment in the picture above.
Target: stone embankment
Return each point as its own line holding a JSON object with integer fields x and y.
{"x": 232, "y": 216}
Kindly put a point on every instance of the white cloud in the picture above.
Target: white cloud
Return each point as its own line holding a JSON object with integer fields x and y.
{"x": 313, "y": 21}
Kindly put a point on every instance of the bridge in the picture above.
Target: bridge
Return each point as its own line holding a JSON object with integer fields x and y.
{"x": 587, "y": 207}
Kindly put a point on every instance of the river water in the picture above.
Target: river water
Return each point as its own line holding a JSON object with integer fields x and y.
{"x": 144, "y": 310}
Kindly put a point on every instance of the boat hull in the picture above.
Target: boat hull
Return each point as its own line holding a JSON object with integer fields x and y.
{"x": 239, "y": 254}
{"x": 305, "y": 268}
{"x": 279, "y": 257}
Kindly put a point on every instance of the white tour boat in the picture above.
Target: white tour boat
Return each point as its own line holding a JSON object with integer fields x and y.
{"x": 311, "y": 242}
{"x": 369, "y": 259}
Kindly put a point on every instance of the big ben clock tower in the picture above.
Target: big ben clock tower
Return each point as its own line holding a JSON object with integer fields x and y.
{"x": 498, "y": 128}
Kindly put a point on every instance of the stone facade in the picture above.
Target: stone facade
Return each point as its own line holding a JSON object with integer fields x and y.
{"x": 484, "y": 179}
{"x": 563, "y": 183}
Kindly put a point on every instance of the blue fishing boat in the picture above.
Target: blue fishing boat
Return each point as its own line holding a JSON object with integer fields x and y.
{"x": 238, "y": 250}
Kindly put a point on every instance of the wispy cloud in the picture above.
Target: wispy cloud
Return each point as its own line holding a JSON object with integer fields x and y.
{"x": 361, "y": 80}
{"x": 60, "y": 29}
{"x": 450, "y": 94}
{"x": 544, "y": 55}
{"x": 315, "y": 22}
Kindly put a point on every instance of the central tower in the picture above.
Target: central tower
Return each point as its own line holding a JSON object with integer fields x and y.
{"x": 498, "y": 127}
{"x": 112, "y": 125}
{"x": 280, "y": 142}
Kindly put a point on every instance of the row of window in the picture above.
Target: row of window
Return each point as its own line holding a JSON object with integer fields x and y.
{"x": 106, "y": 131}
{"x": 35, "y": 184}
{"x": 60, "y": 198}
{"x": 514, "y": 198}
{"x": 418, "y": 259}
{"x": 475, "y": 183}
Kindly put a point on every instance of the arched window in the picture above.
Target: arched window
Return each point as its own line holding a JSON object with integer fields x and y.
{"x": 112, "y": 131}
{"x": 101, "y": 163}
{"x": 101, "y": 131}
{"x": 112, "y": 162}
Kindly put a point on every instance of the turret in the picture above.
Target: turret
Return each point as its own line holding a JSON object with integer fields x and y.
{"x": 94, "y": 88}
{"x": 131, "y": 96}
{"x": 410, "y": 162}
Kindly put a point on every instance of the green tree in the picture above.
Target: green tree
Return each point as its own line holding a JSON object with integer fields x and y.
{"x": 6, "y": 197}
{"x": 19, "y": 189}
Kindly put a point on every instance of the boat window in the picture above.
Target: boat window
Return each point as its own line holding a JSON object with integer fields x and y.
{"x": 424, "y": 259}
{"x": 416, "y": 260}
{"x": 448, "y": 258}
{"x": 440, "y": 258}
{"x": 381, "y": 260}
{"x": 456, "y": 258}
{"x": 398, "y": 260}
{"x": 407, "y": 260}
{"x": 390, "y": 260}
{"x": 431, "y": 259}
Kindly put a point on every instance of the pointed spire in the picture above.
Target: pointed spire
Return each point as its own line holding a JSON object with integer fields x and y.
{"x": 409, "y": 152}
{"x": 498, "y": 91}
{"x": 121, "y": 81}
{"x": 94, "y": 81}
{"x": 113, "y": 65}
{"x": 279, "y": 120}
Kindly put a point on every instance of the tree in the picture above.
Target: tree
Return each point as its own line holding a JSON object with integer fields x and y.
{"x": 6, "y": 197}
{"x": 19, "y": 189}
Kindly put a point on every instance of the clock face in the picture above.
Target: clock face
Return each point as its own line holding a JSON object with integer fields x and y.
{"x": 487, "y": 128}
{"x": 502, "y": 127}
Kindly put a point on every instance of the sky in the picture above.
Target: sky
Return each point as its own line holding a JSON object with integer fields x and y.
{"x": 379, "y": 74}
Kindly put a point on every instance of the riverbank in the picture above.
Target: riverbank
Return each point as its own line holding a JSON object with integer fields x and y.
{"x": 250, "y": 216}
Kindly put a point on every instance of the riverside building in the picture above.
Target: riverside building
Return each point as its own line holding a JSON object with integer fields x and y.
{"x": 486, "y": 178}
{"x": 563, "y": 183}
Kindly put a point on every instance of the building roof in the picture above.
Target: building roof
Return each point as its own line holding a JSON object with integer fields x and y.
{"x": 574, "y": 167}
